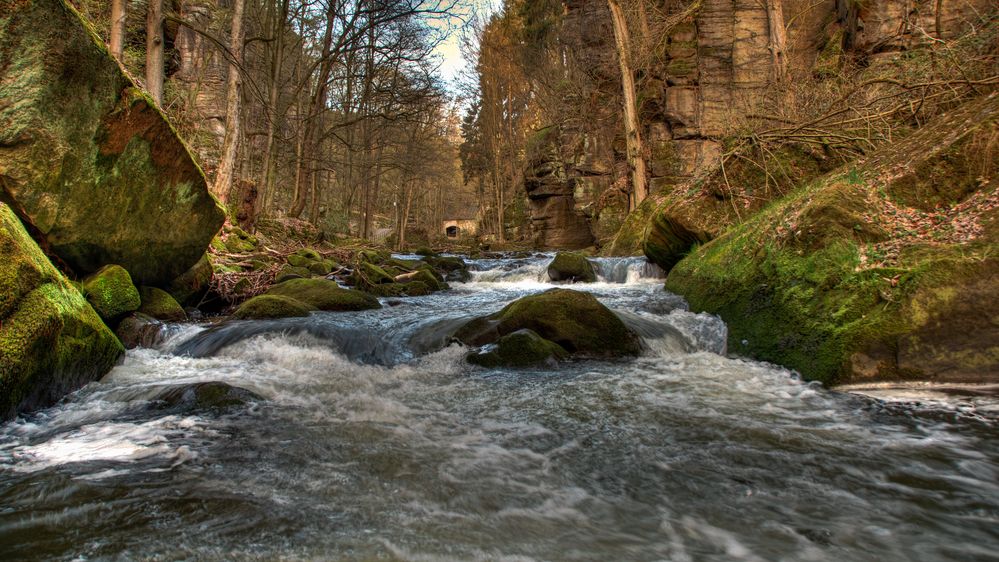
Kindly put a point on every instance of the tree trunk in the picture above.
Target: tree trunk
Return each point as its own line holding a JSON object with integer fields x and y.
{"x": 632, "y": 128}
{"x": 233, "y": 126}
{"x": 778, "y": 39}
{"x": 154, "y": 50}
{"x": 117, "y": 46}
{"x": 273, "y": 98}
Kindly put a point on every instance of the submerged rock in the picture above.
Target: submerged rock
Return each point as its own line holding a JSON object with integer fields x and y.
{"x": 215, "y": 396}
{"x": 523, "y": 348}
{"x": 572, "y": 267}
{"x": 111, "y": 292}
{"x": 574, "y": 320}
{"x": 272, "y": 306}
{"x": 322, "y": 294}
{"x": 93, "y": 166}
{"x": 51, "y": 340}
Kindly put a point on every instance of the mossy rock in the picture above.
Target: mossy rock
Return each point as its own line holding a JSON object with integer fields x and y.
{"x": 321, "y": 268}
{"x": 572, "y": 267}
{"x": 374, "y": 256}
{"x": 158, "y": 304}
{"x": 523, "y": 348}
{"x": 51, "y": 340}
{"x": 300, "y": 261}
{"x": 576, "y": 321}
{"x": 452, "y": 268}
{"x": 309, "y": 254}
{"x": 424, "y": 251}
{"x": 237, "y": 245}
{"x": 404, "y": 265}
{"x": 423, "y": 275}
{"x": 291, "y": 272}
{"x": 272, "y": 306}
{"x": 410, "y": 289}
{"x": 111, "y": 292}
{"x": 92, "y": 163}
{"x": 368, "y": 274}
{"x": 324, "y": 295}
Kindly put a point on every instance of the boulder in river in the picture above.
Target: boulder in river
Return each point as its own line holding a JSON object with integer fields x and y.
{"x": 575, "y": 320}
{"x": 88, "y": 160}
{"x": 214, "y": 395}
{"x": 572, "y": 267}
{"x": 51, "y": 340}
{"x": 523, "y": 348}
{"x": 139, "y": 330}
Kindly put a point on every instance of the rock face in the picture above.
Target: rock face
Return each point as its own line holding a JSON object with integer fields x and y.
{"x": 86, "y": 160}
{"x": 574, "y": 320}
{"x": 51, "y": 340}
{"x": 886, "y": 270}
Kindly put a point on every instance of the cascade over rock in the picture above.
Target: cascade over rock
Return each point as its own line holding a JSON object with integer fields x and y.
{"x": 87, "y": 160}
{"x": 51, "y": 340}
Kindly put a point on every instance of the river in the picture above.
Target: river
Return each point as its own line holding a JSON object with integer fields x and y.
{"x": 375, "y": 442}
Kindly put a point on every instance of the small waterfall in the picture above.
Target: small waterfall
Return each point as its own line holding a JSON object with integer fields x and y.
{"x": 628, "y": 270}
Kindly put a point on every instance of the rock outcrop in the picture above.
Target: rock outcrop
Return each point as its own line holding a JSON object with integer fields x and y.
{"x": 51, "y": 340}
{"x": 89, "y": 162}
{"x": 884, "y": 269}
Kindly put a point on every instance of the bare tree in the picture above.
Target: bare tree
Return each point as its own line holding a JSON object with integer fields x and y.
{"x": 233, "y": 125}
{"x": 154, "y": 50}
{"x": 118, "y": 15}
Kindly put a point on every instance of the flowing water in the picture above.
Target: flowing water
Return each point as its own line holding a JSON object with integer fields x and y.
{"x": 374, "y": 441}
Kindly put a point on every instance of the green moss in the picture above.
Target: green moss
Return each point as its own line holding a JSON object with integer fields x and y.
{"x": 324, "y": 295}
{"x": 111, "y": 292}
{"x": 158, "y": 304}
{"x": 272, "y": 306}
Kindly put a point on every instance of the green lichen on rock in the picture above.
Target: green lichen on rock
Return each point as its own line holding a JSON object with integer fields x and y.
{"x": 523, "y": 348}
{"x": 572, "y": 267}
{"x": 576, "y": 321}
{"x": 91, "y": 163}
{"x": 51, "y": 340}
{"x": 111, "y": 292}
{"x": 192, "y": 284}
{"x": 322, "y": 294}
{"x": 158, "y": 304}
{"x": 835, "y": 282}
{"x": 272, "y": 306}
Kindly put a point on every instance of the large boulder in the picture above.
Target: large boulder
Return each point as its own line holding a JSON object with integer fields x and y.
{"x": 272, "y": 306}
{"x": 51, "y": 340}
{"x": 160, "y": 305}
{"x": 522, "y": 348}
{"x": 87, "y": 160}
{"x": 574, "y": 320}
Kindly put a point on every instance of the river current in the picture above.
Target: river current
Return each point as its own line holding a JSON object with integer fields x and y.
{"x": 375, "y": 441}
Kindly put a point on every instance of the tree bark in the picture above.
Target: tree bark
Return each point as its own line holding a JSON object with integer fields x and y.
{"x": 778, "y": 39}
{"x": 273, "y": 115}
{"x": 154, "y": 50}
{"x": 118, "y": 14}
{"x": 233, "y": 125}
{"x": 632, "y": 127}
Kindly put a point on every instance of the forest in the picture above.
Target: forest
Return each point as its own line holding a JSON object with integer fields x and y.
{"x": 499, "y": 280}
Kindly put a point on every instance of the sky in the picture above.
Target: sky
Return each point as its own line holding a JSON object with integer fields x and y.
{"x": 449, "y": 50}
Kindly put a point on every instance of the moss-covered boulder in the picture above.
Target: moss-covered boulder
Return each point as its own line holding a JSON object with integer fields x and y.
{"x": 451, "y": 268}
{"x": 425, "y": 276}
{"x": 322, "y": 294}
{"x": 93, "y": 166}
{"x": 158, "y": 304}
{"x": 367, "y": 275}
{"x": 410, "y": 289}
{"x": 574, "y": 320}
{"x": 272, "y": 306}
{"x": 523, "y": 348}
{"x": 212, "y": 396}
{"x": 111, "y": 292}
{"x": 572, "y": 267}
{"x": 51, "y": 340}
{"x": 867, "y": 274}
{"x": 190, "y": 286}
